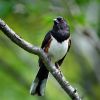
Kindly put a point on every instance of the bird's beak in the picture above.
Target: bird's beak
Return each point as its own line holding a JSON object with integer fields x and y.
{"x": 56, "y": 21}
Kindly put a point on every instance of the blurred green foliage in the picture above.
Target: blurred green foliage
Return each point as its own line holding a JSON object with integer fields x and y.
{"x": 31, "y": 19}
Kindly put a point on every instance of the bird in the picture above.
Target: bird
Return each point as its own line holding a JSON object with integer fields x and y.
{"x": 56, "y": 45}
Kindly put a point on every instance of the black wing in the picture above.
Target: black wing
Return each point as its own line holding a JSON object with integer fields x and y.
{"x": 69, "y": 44}
{"x": 44, "y": 45}
{"x": 61, "y": 61}
{"x": 46, "y": 39}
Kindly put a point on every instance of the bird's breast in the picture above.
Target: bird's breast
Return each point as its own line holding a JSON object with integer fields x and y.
{"x": 57, "y": 50}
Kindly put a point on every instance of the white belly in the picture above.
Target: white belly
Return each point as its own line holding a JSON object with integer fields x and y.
{"x": 57, "y": 50}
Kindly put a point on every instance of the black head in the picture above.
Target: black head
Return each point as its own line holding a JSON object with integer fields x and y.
{"x": 59, "y": 23}
{"x": 60, "y": 29}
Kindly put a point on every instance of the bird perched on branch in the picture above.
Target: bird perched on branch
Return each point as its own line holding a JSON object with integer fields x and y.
{"x": 56, "y": 44}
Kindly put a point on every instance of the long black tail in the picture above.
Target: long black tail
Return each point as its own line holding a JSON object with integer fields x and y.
{"x": 39, "y": 84}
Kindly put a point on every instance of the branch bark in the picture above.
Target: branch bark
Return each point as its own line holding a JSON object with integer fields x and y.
{"x": 39, "y": 52}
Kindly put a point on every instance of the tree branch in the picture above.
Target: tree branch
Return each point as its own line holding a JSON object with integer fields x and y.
{"x": 39, "y": 52}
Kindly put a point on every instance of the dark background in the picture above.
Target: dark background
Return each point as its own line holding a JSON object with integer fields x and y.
{"x": 31, "y": 19}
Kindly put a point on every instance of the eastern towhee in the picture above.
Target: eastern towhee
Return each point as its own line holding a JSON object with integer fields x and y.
{"x": 56, "y": 44}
